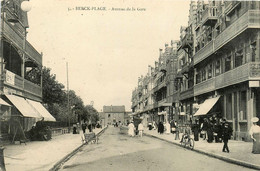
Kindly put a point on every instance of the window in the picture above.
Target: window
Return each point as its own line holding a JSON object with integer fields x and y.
{"x": 228, "y": 63}
{"x": 218, "y": 67}
{"x": 210, "y": 71}
{"x": 229, "y": 106}
{"x": 239, "y": 58}
{"x": 217, "y": 30}
{"x": 198, "y": 78}
{"x": 253, "y": 51}
{"x": 242, "y": 106}
{"x": 203, "y": 73}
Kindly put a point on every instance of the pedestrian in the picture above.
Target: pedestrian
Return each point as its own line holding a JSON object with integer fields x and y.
{"x": 84, "y": 126}
{"x": 168, "y": 128}
{"x": 255, "y": 135}
{"x": 131, "y": 129}
{"x": 210, "y": 130}
{"x": 215, "y": 132}
{"x": 154, "y": 125}
{"x": 90, "y": 127}
{"x": 203, "y": 128}
{"x": 140, "y": 129}
{"x": 74, "y": 129}
{"x": 150, "y": 126}
{"x": 195, "y": 129}
{"x": 226, "y": 134}
{"x": 160, "y": 128}
{"x": 177, "y": 137}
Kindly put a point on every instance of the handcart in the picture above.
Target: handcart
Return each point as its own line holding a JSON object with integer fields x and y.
{"x": 90, "y": 137}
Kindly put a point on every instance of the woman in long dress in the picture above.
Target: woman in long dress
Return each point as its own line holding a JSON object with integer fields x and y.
{"x": 255, "y": 135}
{"x": 131, "y": 129}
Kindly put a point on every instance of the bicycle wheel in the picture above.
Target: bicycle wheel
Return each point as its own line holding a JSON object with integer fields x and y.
{"x": 183, "y": 142}
{"x": 186, "y": 142}
{"x": 191, "y": 143}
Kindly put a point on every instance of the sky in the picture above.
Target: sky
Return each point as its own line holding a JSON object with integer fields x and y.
{"x": 106, "y": 50}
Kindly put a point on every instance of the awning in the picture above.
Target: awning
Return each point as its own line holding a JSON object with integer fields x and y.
{"x": 2, "y": 102}
{"x": 205, "y": 107}
{"x": 41, "y": 110}
{"x": 23, "y": 106}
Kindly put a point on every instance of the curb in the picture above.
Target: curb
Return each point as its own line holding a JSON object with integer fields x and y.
{"x": 230, "y": 160}
{"x": 57, "y": 165}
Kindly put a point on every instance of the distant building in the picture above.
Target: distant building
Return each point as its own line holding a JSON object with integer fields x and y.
{"x": 113, "y": 114}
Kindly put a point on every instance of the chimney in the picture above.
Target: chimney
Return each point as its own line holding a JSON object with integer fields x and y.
{"x": 160, "y": 51}
{"x": 149, "y": 70}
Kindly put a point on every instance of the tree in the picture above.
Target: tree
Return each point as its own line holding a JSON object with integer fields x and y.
{"x": 92, "y": 114}
{"x": 52, "y": 90}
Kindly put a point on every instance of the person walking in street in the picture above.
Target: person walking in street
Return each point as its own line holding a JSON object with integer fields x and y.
{"x": 255, "y": 135}
{"x": 195, "y": 129}
{"x": 226, "y": 134}
{"x": 84, "y": 127}
{"x": 140, "y": 129}
{"x": 177, "y": 137}
{"x": 210, "y": 130}
{"x": 204, "y": 127}
{"x": 90, "y": 127}
{"x": 131, "y": 129}
{"x": 160, "y": 128}
{"x": 168, "y": 128}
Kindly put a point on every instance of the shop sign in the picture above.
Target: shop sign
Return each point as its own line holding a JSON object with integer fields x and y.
{"x": 254, "y": 84}
{"x": 10, "y": 77}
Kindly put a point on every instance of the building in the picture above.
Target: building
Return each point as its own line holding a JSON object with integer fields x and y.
{"x": 226, "y": 62}
{"x": 215, "y": 71}
{"x": 113, "y": 114}
{"x": 20, "y": 73}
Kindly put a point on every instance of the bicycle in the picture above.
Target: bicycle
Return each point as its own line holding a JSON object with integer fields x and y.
{"x": 187, "y": 141}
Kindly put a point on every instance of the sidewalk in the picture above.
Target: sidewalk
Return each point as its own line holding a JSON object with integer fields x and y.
{"x": 240, "y": 151}
{"x": 41, "y": 155}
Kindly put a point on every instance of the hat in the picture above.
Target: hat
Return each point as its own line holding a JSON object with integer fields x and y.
{"x": 255, "y": 119}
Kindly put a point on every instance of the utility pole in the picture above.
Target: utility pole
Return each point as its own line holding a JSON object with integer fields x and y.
{"x": 67, "y": 68}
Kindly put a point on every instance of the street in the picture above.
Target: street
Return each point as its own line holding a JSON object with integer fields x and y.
{"x": 117, "y": 151}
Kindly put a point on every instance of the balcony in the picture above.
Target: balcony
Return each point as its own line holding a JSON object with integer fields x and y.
{"x": 176, "y": 96}
{"x": 161, "y": 102}
{"x": 204, "y": 87}
{"x": 230, "y": 6}
{"x": 210, "y": 16}
{"x": 161, "y": 85}
{"x": 17, "y": 40}
{"x": 250, "y": 19}
{"x": 162, "y": 68}
{"x": 187, "y": 93}
{"x": 204, "y": 52}
{"x": 187, "y": 41}
{"x": 19, "y": 85}
{"x": 186, "y": 67}
{"x": 246, "y": 72}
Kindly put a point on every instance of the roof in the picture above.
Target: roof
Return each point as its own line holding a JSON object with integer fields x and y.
{"x": 113, "y": 109}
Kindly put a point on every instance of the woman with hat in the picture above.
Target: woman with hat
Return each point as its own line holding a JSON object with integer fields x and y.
{"x": 255, "y": 135}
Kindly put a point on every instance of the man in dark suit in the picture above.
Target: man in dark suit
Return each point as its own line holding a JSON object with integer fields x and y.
{"x": 226, "y": 134}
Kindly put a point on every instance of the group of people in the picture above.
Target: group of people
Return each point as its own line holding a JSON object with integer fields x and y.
{"x": 90, "y": 127}
{"x": 132, "y": 130}
{"x": 211, "y": 129}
